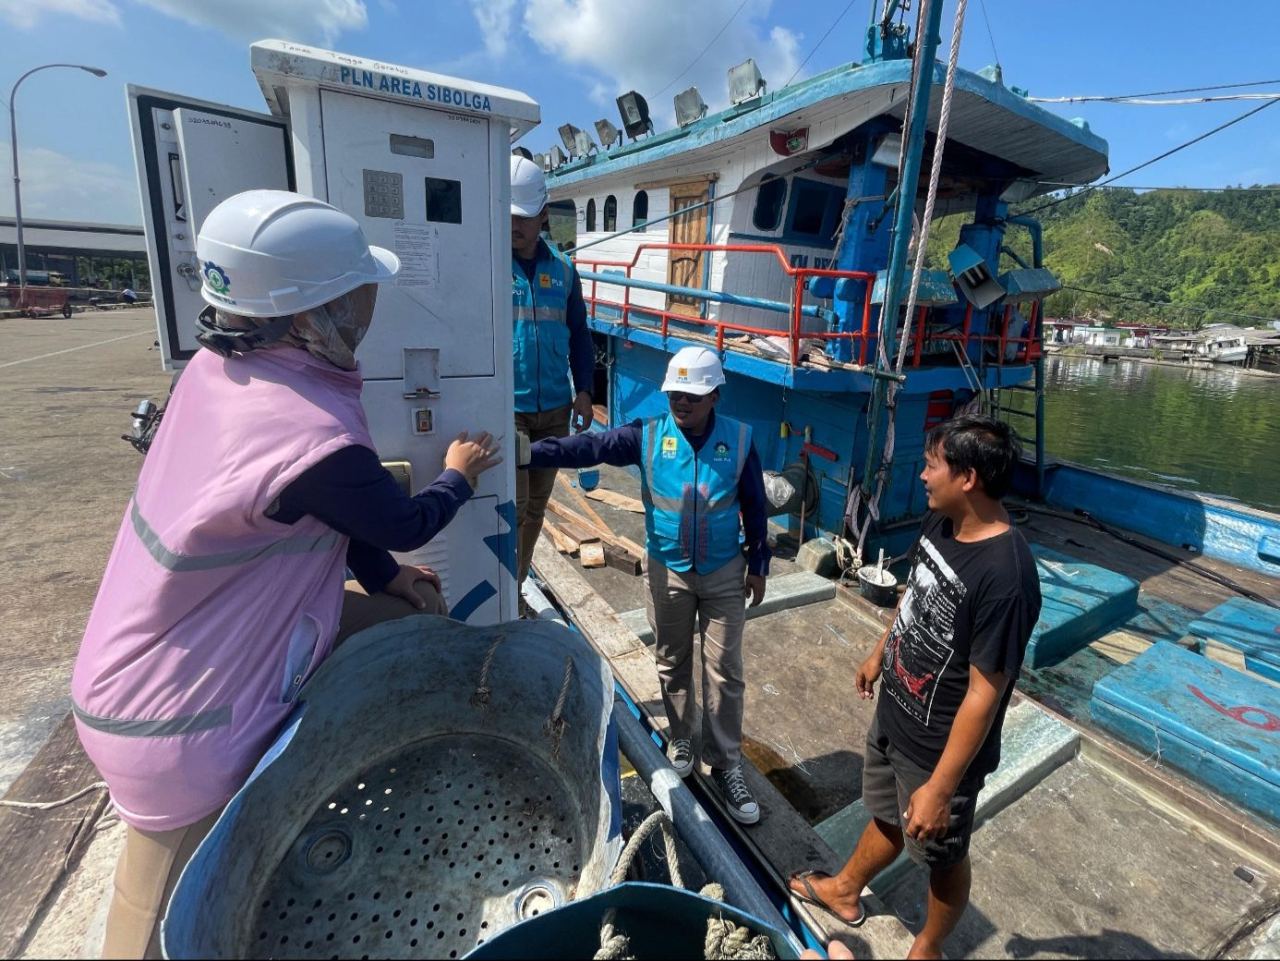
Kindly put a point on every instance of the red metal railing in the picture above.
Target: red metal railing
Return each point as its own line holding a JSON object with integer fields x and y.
{"x": 1030, "y": 341}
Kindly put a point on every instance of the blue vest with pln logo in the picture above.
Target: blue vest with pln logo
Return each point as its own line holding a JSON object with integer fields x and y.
{"x": 691, "y": 498}
{"x": 541, "y": 337}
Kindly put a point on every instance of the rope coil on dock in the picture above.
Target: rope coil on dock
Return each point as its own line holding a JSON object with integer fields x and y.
{"x": 723, "y": 940}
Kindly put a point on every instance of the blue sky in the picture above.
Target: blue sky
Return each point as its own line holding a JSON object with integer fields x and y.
{"x": 574, "y": 56}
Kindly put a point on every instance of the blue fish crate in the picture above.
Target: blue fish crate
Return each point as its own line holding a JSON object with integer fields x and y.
{"x": 438, "y": 784}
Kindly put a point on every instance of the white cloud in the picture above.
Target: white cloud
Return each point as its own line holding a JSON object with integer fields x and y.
{"x": 304, "y": 21}
{"x": 645, "y": 46}
{"x": 25, "y": 14}
{"x": 58, "y": 187}
{"x": 495, "y": 19}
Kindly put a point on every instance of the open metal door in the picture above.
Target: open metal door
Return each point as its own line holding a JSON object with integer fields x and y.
{"x": 191, "y": 155}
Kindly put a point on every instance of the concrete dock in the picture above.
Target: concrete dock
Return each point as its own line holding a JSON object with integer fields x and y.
{"x": 66, "y": 391}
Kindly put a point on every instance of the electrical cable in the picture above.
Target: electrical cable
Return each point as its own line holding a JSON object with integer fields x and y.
{"x": 1165, "y": 303}
{"x": 1147, "y": 163}
{"x": 1102, "y": 98}
{"x": 836, "y": 23}
{"x": 705, "y": 49}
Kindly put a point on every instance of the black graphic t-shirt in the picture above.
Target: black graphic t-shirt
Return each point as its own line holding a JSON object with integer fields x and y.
{"x": 965, "y": 604}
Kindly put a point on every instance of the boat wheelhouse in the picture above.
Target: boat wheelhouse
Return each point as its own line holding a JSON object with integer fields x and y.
{"x": 765, "y": 230}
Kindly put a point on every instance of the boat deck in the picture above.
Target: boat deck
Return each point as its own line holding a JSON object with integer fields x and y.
{"x": 1089, "y": 851}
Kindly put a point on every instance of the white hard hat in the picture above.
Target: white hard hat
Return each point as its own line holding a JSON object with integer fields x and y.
{"x": 694, "y": 370}
{"x": 528, "y": 187}
{"x": 270, "y": 253}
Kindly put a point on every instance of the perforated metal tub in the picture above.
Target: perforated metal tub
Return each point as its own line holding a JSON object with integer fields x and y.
{"x": 419, "y": 803}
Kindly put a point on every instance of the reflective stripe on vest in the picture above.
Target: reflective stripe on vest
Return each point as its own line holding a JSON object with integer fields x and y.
{"x": 541, "y": 337}
{"x": 180, "y": 563}
{"x": 691, "y": 499}
{"x": 156, "y": 727}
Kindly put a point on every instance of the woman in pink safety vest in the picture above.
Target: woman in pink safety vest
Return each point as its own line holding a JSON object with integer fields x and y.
{"x": 225, "y": 589}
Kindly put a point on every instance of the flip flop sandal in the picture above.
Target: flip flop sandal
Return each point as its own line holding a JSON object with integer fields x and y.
{"x": 817, "y": 902}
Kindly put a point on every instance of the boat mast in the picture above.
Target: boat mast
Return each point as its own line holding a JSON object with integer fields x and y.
{"x": 898, "y": 276}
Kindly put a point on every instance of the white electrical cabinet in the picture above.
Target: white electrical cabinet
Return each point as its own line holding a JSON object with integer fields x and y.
{"x": 422, "y": 162}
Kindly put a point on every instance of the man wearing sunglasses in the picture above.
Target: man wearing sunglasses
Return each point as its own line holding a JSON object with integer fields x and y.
{"x": 698, "y": 473}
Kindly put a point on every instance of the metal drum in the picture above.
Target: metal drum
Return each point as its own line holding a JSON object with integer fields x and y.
{"x": 440, "y": 783}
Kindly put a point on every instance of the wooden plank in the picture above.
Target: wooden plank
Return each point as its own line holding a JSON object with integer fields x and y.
{"x": 592, "y": 555}
{"x": 588, "y": 511}
{"x": 614, "y": 499}
{"x": 564, "y": 543}
{"x": 604, "y": 534}
{"x": 40, "y": 846}
{"x": 593, "y": 616}
{"x": 621, "y": 559}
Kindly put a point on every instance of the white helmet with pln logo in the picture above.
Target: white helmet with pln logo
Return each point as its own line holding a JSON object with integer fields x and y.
{"x": 528, "y": 187}
{"x": 273, "y": 253}
{"x": 694, "y": 370}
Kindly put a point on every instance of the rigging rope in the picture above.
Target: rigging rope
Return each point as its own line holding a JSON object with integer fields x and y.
{"x": 835, "y": 23}
{"x": 1165, "y": 303}
{"x": 1148, "y": 102}
{"x": 1147, "y": 163}
{"x": 1102, "y": 98}
{"x": 705, "y": 49}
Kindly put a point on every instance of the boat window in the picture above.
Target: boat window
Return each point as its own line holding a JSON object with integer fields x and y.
{"x": 640, "y": 210}
{"x": 769, "y": 200}
{"x": 610, "y": 214}
{"x": 815, "y": 209}
{"x": 591, "y": 215}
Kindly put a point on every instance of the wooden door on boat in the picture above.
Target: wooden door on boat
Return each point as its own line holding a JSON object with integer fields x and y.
{"x": 685, "y": 267}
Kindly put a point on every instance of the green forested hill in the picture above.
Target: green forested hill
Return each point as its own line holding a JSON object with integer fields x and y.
{"x": 1196, "y": 248}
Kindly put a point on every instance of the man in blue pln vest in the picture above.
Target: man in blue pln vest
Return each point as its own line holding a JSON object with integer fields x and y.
{"x": 550, "y": 339}
{"x": 698, "y": 472}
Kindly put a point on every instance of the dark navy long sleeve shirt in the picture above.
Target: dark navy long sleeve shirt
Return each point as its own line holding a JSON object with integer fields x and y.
{"x": 621, "y": 447}
{"x": 582, "y": 356}
{"x": 354, "y": 494}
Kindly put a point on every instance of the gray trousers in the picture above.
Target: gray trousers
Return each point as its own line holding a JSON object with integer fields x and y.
{"x": 674, "y": 603}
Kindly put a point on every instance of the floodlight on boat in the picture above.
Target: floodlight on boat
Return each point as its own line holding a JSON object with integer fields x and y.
{"x": 556, "y": 157}
{"x": 888, "y": 150}
{"x": 582, "y": 140}
{"x": 745, "y": 82}
{"x": 524, "y": 152}
{"x": 569, "y": 137}
{"x": 607, "y": 133}
{"x": 690, "y": 107}
{"x": 634, "y": 111}
{"x": 973, "y": 277}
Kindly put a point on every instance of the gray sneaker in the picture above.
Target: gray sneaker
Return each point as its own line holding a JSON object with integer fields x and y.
{"x": 737, "y": 796}
{"x": 680, "y": 754}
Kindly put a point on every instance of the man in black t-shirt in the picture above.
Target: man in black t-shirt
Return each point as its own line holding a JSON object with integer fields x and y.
{"x": 949, "y": 663}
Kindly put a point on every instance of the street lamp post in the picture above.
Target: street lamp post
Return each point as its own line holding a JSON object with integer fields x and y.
{"x": 13, "y": 142}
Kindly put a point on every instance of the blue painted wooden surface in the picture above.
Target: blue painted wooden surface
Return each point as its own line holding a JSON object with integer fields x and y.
{"x": 1245, "y": 625}
{"x": 1080, "y": 603}
{"x": 1237, "y": 534}
{"x": 1214, "y": 723}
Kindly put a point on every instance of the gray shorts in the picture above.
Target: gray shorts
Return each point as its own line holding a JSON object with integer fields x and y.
{"x": 888, "y": 781}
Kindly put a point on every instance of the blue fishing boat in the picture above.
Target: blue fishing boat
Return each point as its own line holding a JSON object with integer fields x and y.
{"x": 789, "y": 233}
